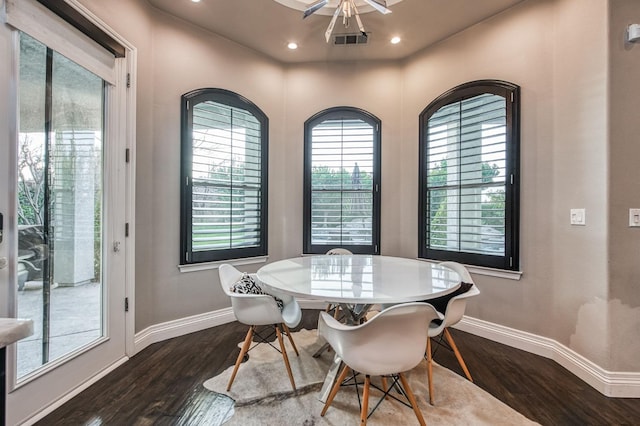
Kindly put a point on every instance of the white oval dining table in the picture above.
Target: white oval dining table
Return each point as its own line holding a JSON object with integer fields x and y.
{"x": 356, "y": 282}
{"x": 359, "y": 279}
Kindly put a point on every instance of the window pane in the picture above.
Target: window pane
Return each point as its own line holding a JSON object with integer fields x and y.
{"x": 226, "y": 178}
{"x": 59, "y": 205}
{"x": 342, "y": 165}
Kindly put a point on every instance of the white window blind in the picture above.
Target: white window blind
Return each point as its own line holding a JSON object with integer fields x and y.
{"x": 466, "y": 181}
{"x": 342, "y": 165}
{"x": 226, "y": 178}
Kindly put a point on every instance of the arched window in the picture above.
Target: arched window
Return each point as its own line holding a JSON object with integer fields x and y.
{"x": 224, "y": 177}
{"x": 469, "y": 175}
{"x": 342, "y": 181}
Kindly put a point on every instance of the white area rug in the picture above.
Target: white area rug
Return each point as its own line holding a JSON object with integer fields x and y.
{"x": 263, "y": 394}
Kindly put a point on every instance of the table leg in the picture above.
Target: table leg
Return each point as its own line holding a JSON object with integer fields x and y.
{"x": 323, "y": 348}
{"x": 355, "y": 313}
{"x": 330, "y": 379}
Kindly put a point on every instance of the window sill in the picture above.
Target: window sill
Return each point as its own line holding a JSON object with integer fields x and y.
{"x": 193, "y": 267}
{"x": 490, "y": 272}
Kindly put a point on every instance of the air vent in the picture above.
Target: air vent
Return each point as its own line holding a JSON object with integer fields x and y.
{"x": 344, "y": 39}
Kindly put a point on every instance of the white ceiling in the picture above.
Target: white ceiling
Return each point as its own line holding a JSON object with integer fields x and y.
{"x": 267, "y": 26}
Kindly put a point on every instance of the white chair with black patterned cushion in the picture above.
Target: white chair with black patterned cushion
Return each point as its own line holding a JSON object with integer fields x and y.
{"x": 388, "y": 345}
{"x": 259, "y": 309}
{"x": 451, "y": 308}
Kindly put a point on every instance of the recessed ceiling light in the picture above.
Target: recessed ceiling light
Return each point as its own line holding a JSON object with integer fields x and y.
{"x": 196, "y": 1}
{"x": 395, "y": 40}
{"x": 292, "y": 45}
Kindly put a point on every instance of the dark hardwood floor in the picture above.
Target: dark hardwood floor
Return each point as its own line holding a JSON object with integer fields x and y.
{"x": 162, "y": 385}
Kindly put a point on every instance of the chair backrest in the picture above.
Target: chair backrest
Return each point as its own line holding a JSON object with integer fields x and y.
{"x": 460, "y": 269}
{"x": 250, "y": 309}
{"x": 458, "y": 304}
{"x": 338, "y": 250}
{"x": 229, "y": 275}
{"x": 391, "y": 342}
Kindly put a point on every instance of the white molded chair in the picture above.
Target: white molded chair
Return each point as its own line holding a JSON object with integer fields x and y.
{"x": 258, "y": 310}
{"x": 339, "y": 251}
{"x": 452, "y": 315}
{"x": 389, "y": 344}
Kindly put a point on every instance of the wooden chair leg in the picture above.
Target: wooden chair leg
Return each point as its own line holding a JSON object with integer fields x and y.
{"x": 430, "y": 370}
{"x": 412, "y": 399}
{"x": 365, "y": 401}
{"x": 243, "y": 351}
{"x": 457, "y": 353}
{"x": 385, "y": 387}
{"x": 285, "y": 357}
{"x": 290, "y": 338}
{"x": 334, "y": 390}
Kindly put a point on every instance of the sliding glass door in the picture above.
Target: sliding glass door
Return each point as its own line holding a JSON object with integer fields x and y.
{"x": 60, "y": 198}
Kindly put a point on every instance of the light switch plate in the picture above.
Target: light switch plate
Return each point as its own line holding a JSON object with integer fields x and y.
{"x": 634, "y": 218}
{"x": 578, "y": 217}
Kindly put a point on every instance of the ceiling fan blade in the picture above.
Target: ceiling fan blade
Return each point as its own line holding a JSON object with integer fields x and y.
{"x": 313, "y": 8}
{"x": 327, "y": 34}
{"x": 379, "y": 5}
{"x": 358, "y": 20}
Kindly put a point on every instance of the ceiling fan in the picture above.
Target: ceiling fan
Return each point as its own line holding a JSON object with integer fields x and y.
{"x": 348, "y": 9}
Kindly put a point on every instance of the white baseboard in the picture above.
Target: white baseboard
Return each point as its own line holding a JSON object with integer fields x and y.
{"x": 611, "y": 384}
{"x": 170, "y": 329}
{"x": 73, "y": 393}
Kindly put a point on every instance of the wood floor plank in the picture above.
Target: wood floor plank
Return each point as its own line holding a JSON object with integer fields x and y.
{"x": 162, "y": 385}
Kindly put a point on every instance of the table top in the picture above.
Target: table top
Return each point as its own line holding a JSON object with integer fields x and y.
{"x": 362, "y": 279}
{"x": 12, "y": 330}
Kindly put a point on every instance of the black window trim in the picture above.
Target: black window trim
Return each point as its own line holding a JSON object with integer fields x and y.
{"x": 342, "y": 112}
{"x": 511, "y": 258}
{"x": 227, "y": 97}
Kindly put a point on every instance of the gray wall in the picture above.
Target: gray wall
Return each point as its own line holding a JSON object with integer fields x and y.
{"x": 623, "y": 301}
{"x": 576, "y": 131}
{"x": 175, "y": 58}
